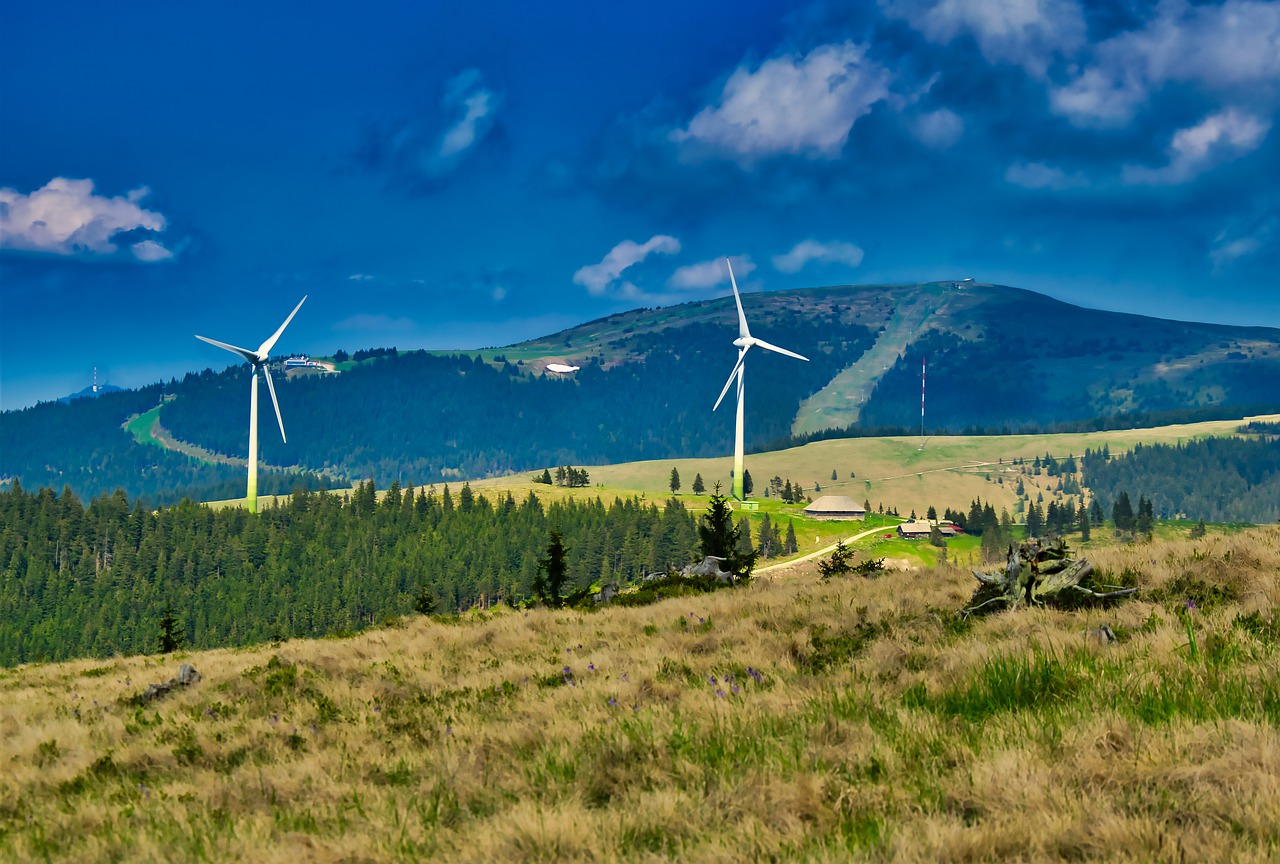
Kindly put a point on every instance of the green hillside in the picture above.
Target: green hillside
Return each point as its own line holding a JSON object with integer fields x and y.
{"x": 999, "y": 360}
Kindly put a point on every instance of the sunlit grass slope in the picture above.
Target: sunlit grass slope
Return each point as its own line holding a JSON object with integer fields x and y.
{"x": 788, "y": 720}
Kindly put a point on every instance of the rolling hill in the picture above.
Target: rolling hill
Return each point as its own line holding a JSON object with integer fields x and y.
{"x": 999, "y": 359}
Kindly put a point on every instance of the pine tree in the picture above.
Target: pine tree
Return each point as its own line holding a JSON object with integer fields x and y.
{"x": 718, "y": 536}
{"x": 747, "y": 485}
{"x": 931, "y": 514}
{"x": 171, "y": 635}
{"x": 1084, "y": 525}
{"x": 675, "y": 480}
{"x": 698, "y": 486}
{"x": 834, "y": 475}
{"x": 790, "y": 547}
{"x": 1122, "y": 513}
{"x": 548, "y": 584}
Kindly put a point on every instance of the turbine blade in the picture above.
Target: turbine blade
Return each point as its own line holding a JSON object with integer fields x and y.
{"x": 267, "y": 373}
{"x": 765, "y": 345}
{"x": 736, "y": 366}
{"x": 243, "y": 352}
{"x": 742, "y": 319}
{"x": 265, "y": 348}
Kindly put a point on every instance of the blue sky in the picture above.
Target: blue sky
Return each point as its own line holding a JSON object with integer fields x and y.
{"x": 484, "y": 173}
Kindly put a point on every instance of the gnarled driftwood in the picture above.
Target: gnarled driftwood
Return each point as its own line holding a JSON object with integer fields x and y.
{"x": 1038, "y": 572}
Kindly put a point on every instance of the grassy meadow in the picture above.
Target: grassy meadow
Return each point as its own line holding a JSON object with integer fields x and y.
{"x": 790, "y": 719}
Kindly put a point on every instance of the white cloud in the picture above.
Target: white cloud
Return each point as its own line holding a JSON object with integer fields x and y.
{"x": 597, "y": 278}
{"x": 466, "y": 95}
{"x": 1226, "y": 49}
{"x": 1216, "y": 139}
{"x": 1040, "y": 175}
{"x": 66, "y": 217}
{"x": 709, "y": 274}
{"x": 1026, "y": 33}
{"x": 360, "y": 277}
{"x": 150, "y": 251}
{"x": 1227, "y": 249}
{"x": 790, "y": 105}
{"x": 940, "y": 129}
{"x": 499, "y": 293}
{"x": 835, "y": 252}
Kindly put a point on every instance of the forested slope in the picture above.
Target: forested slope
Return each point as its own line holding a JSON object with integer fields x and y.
{"x": 96, "y": 580}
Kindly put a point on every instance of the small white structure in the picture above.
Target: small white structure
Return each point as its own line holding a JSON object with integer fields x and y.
{"x": 836, "y": 507}
{"x": 561, "y": 368}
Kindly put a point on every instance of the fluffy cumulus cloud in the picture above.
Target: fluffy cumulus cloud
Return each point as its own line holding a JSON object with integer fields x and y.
{"x": 1232, "y": 49}
{"x": 598, "y": 279}
{"x": 806, "y": 251}
{"x": 1026, "y": 33}
{"x": 790, "y": 105}
{"x": 66, "y": 217}
{"x": 709, "y": 274}
{"x": 1218, "y": 138}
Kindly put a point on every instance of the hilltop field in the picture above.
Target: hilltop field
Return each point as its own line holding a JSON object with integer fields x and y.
{"x": 790, "y": 719}
{"x": 896, "y": 472}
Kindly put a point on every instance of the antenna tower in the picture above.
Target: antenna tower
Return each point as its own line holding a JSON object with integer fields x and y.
{"x": 922, "y": 400}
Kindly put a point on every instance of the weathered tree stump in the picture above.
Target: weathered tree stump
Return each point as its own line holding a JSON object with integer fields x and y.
{"x": 187, "y": 675}
{"x": 1039, "y": 572}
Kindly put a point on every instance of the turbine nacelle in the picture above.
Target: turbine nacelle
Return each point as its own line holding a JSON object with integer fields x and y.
{"x": 258, "y": 360}
{"x": 744, "y": 343}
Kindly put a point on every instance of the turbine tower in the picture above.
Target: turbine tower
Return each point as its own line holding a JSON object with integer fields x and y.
{"x": 745, "y": 342}
{"x": 257, "y": 360}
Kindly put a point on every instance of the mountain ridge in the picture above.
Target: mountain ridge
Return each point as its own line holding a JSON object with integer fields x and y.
{"x": 998, "y": 357}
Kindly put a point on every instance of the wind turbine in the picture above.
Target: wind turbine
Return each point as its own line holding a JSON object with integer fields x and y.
{"x": 745, "y": 342}
{"x": 258, "y": 360}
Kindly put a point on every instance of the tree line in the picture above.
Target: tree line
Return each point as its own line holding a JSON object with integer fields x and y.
{"x": 97, "y": 579}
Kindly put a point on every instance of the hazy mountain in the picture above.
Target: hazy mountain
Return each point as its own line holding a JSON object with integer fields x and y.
{"x": 997, "y": 357}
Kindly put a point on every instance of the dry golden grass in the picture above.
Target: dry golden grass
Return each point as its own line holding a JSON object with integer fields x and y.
{"x": 882, "y": 728}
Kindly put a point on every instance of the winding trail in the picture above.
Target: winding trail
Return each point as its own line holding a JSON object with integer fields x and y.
{"x": 824, "y": 551}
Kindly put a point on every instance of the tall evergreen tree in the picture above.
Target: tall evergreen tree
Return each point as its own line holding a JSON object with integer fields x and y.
{"x": 674, "y": 483}
{"x": 718, "y": 536}
{"x": 698, "y": 486}
{"x": 1122, "y": 513}
{"x": 790, "y": 547}
{"x": 552, "y": 570}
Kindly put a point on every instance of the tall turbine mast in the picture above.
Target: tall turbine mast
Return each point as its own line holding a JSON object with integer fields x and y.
{"x": 257, "y": 360}
{"x": 744, "y": 343}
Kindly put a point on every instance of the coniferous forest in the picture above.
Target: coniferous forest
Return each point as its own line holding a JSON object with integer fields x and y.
{"x": 98, "y": 579}
{"x": 1215, "y": 479}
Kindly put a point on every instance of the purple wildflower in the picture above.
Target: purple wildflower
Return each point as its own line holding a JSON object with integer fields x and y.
{"x": 702, "y": 620}
{"x": 567, "y": 671}
{"x": 719, "y": 693}
{"x": 613, "y": 703}
{"x": 734, "y": 688}
{"x": 591, "y": 667}
{"x": 713, "y": 681}
{"x": 448, "y": 730}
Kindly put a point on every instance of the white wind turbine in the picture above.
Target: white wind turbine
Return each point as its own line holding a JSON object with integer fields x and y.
{"x": 744, "y": 342}
{"x": 258, "y": 360}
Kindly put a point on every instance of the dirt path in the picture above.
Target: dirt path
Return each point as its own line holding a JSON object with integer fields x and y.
{"x": 826, "y": 550}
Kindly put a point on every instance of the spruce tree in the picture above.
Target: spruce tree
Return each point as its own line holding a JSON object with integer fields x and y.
{"x": 698, "y": 486}
{"x": 790, "y": 547}
{"x": 675, "y": 480}
{"x": 718, "y": 536}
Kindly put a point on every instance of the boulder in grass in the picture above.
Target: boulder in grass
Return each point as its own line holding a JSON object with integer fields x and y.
{"x": 187, "y": 675}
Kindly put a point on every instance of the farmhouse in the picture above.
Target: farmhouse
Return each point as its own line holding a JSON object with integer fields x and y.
{"x": 836, "y": 507}
{"x": 919, "y": 529}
